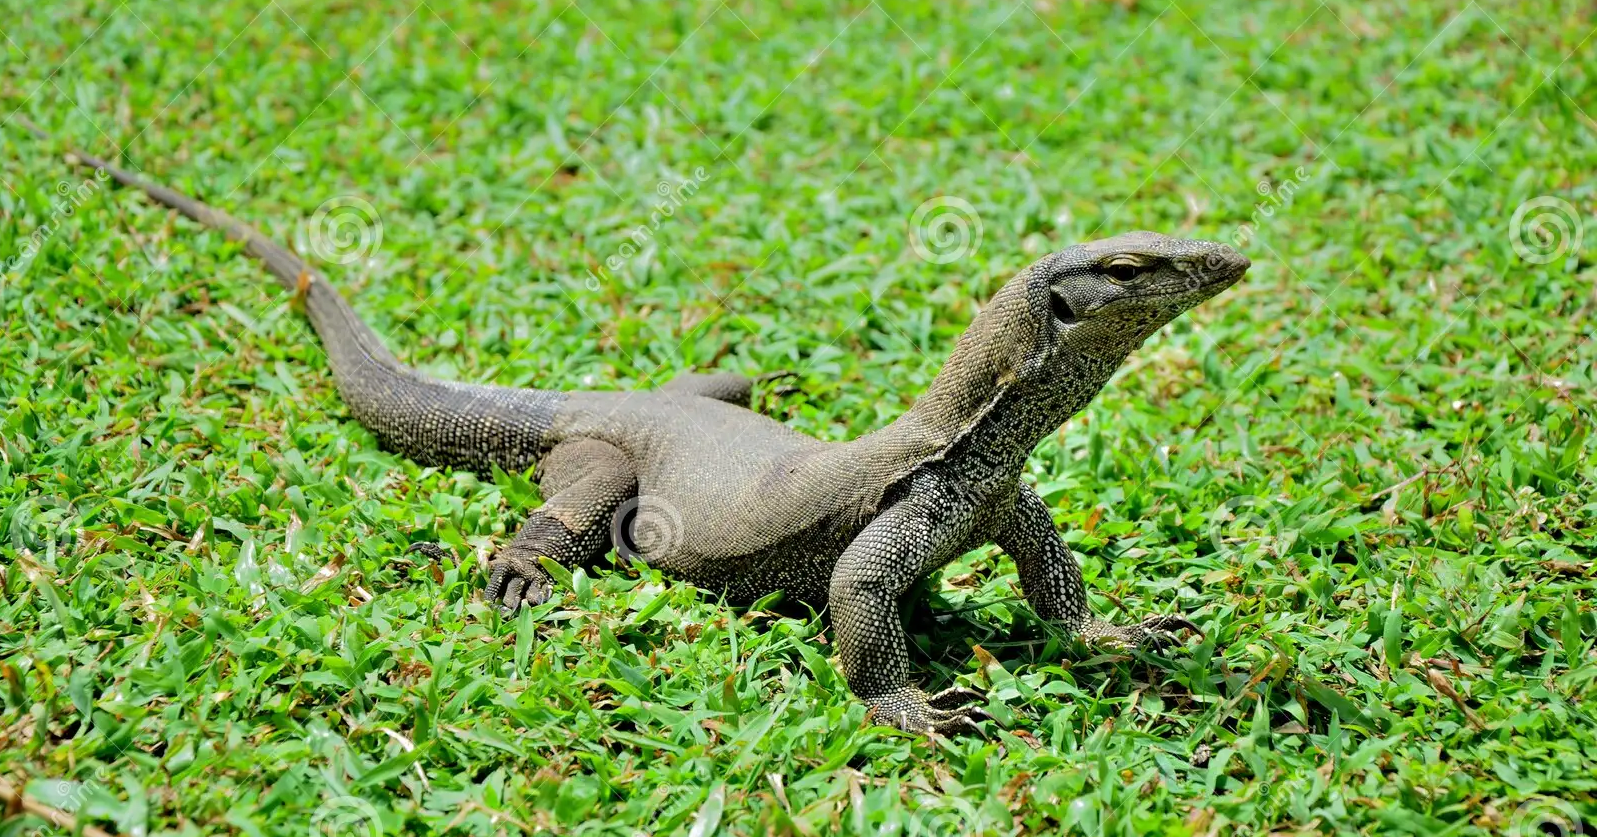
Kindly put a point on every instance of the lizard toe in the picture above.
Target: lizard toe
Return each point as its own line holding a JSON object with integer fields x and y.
{"x": 512, "y": 597}
{"x": 536, "y": 593}
{"x": 971, "y": 714}
{"x": 1171, "y": 624}
{"x": 955, "y": 697}
{"x": 432, "y": 550}
{"x": 956, "y": 726}
{"x": 912, "y": 710}
{"x": 1156, "y": 633}
{"x": 1159, "y": 641}
{"x": 1159, "y": 632}
{"x": 517, "y": 579}
{"x": 496, "y": 582}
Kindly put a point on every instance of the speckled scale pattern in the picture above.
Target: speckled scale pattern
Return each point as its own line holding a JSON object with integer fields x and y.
{"x": 1049, "y": 574}
{"x": 734, "y": 501}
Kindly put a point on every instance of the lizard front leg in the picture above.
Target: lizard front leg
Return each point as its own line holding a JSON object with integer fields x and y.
{"x": 583, "y": 481}
{"x": 1051, "y": 580}
{"x": 883, "y": 561}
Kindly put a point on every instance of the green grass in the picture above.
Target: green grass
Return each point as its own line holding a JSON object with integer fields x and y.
{"x": 1368, "y": 470}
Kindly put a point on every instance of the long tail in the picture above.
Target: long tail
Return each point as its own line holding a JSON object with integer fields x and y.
{"x": 432, "y": 422}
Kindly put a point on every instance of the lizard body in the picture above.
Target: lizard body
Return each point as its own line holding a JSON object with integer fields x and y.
{"x": 693, "y": 482}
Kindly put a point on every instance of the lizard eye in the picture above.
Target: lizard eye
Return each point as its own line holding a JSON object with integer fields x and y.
{"x": 1123, "y": 271}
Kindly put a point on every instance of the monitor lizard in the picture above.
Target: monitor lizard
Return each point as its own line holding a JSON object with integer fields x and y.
{"x": 689, "y": 479}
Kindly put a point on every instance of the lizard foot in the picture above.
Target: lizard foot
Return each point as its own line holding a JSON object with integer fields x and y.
{"x": 1155, "y": 633}
{"x": 515, "y": 578}
{"x": 781, "y": 390}
{"x": 949, "y": 712}
{"x": 432, "y": 550}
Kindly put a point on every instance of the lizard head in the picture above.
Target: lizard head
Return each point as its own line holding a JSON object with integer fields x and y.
{"x": 1056, "y": 333}
{"x": 1105, "y": 297}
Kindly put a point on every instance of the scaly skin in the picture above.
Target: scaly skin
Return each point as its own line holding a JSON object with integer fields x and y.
{"x": 726, "y": 498}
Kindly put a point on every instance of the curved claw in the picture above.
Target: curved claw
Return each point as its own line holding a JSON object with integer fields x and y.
{"x": 1155, "y": 633}
{"x": 1160, "y": 631}
{"x": 971, "y": 713}
{"x": 1159, "y": 641}
{"x": 912, "y": 710}
{"x": 957, "y": 725}
{"x": 1170, "y": 623}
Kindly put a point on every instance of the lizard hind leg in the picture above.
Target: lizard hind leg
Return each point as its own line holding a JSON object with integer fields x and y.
{"x": 730, "y": 387}
{"x": 583, "y": 482}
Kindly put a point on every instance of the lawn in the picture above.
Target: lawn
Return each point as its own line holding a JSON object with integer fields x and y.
{"x": 1367, "y": 471}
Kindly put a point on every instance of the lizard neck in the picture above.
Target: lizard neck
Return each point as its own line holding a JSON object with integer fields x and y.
{"x": 1007, "y": 385}
{"x": 1023, "y": 413}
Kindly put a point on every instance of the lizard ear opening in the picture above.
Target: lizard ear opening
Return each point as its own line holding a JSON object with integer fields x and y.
{"x": 1061, "y": 308}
